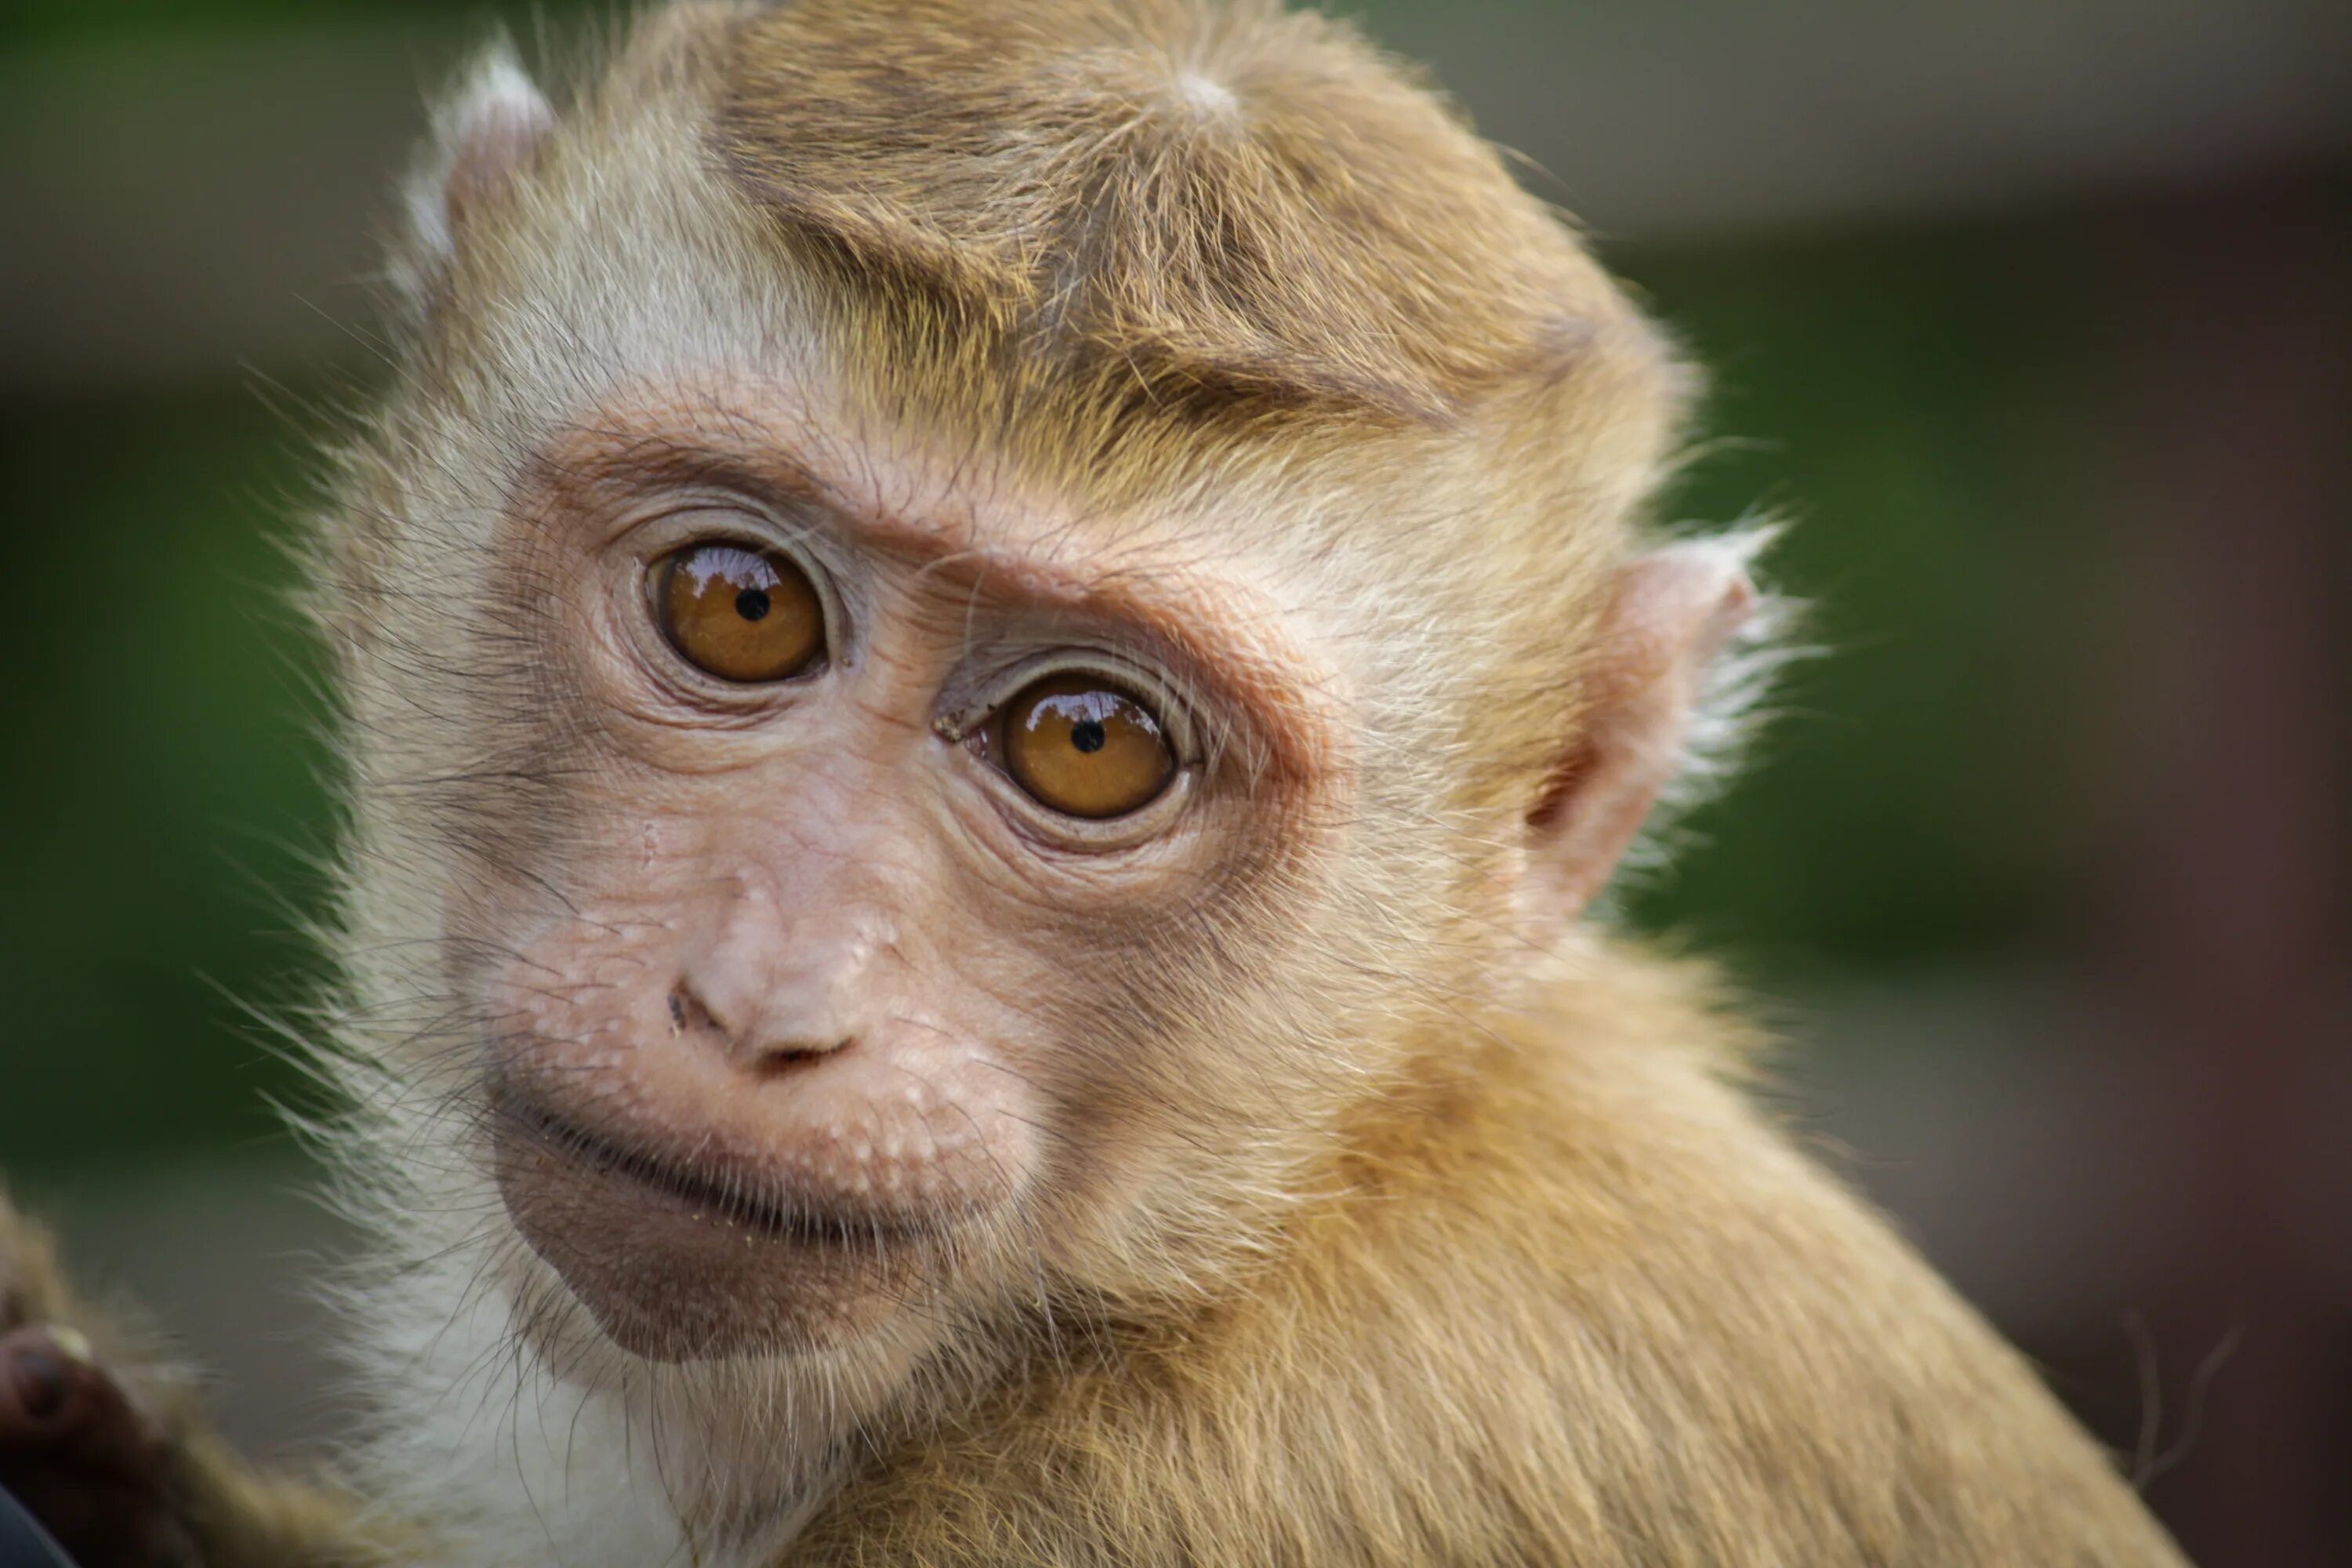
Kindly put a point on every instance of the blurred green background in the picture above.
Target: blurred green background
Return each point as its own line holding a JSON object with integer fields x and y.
{"x": 2036, "y": 319}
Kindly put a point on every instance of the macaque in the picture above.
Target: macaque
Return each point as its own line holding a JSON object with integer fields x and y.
{"x": 991, "y": 657}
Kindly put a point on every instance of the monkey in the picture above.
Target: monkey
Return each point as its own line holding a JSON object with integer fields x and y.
{"x": 993, "y": 661}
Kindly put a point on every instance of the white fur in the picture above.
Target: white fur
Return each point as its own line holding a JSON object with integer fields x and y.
{"x": 518, "y": 1464}
{"x": 1731, "y": 705}
{"x": 1207, "y": 94}
{"x": 495, "y": 96}
{"x": 524, "y": 1469}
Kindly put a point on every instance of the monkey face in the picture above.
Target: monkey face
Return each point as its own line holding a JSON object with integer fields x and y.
{"x": 855, "y": 910}
{"x": 905, "y": 807}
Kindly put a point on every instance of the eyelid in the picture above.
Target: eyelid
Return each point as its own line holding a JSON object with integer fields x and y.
{"x": 688, "y": 520}
{"x": 662, "y": 506}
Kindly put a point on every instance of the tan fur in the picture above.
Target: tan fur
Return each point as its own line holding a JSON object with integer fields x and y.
{"x": 1152, "y": 204}
{"x": 1392, "y": 1215}
{"x": 1575, "y": 1305}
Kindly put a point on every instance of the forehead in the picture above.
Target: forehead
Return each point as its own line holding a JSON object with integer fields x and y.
{"x": 944, "y": 506}
{"x": 1185, "y": 577}
{"x": 637, "y": 255}
{"x": 1104, "y": 239}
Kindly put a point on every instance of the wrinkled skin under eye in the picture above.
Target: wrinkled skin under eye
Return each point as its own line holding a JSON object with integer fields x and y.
{"x": 739, "y": 613}
{"x": 1083, "y": 747}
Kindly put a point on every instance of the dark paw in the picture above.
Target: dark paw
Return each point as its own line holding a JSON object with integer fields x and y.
{"x": 80, "y": 1452}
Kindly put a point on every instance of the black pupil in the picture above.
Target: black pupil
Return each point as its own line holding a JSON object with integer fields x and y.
{"x": 1088, "y": 736}
{"x": 752, "y": 603}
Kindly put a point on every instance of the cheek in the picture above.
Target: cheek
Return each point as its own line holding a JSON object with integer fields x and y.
{"x": 1225, "y": 1013}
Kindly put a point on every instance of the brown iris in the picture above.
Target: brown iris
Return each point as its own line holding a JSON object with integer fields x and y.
{"x": 1084, "y": 747}
{"x": 738, "y": 613}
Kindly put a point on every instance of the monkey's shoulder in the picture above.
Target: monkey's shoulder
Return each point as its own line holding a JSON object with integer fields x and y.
{"x": 1582, "y": 1304}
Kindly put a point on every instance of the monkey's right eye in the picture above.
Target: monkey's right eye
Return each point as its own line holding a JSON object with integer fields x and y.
{"x": 737, "y": 613}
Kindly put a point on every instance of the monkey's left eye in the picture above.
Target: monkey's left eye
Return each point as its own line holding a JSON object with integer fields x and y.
{"x": 737, "y": 613}
{"x": 1084, "y": 747}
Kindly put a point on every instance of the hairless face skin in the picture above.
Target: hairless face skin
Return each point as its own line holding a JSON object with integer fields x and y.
{"x": 872, "y": 783}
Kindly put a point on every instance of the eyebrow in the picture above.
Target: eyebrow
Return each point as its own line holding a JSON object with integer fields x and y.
{"x": 1249, "y": 662}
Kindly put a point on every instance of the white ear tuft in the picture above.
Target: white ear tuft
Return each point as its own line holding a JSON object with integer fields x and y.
{"x": 484, "y": 132}
{"x": 1737, "y": 676}
{"x": 1684, "y": 649}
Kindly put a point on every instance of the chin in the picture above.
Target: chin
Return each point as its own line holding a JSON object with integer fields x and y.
{"x": 678, "y": 1263}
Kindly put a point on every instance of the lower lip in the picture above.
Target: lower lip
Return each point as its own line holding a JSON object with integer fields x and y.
{"x": 669, "y": 1269}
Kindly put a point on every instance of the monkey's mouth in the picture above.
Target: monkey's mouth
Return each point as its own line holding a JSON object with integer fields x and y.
{"x": 700, "y": 1195}
{"x": 677, "y": 1261}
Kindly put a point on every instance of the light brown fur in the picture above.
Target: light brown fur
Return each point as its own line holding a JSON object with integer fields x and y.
{"x": 1494, "y": 1349}
{"x": 1380, "y": 1211}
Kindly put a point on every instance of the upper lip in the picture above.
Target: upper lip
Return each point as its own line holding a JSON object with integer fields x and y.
{"x": 773, "y": 1212}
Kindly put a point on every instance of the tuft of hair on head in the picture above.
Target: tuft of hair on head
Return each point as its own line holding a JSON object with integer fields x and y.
{"x": 1206, "y": 95}
{"x": 1176, "y": 204}
{"x": 485, "y": 130}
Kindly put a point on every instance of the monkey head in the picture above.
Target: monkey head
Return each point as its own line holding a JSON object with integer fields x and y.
{"x": 949, "y": 669}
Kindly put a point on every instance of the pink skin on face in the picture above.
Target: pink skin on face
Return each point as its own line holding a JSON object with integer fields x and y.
{"x": 807, "y": 1008}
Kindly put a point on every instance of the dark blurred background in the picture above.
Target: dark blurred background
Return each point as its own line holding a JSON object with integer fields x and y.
{"x": 2036, "y": 314}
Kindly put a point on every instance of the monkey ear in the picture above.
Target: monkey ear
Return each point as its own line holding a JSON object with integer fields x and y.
{"x": 485, "y": 132}
{"x": 1670, "y": 618}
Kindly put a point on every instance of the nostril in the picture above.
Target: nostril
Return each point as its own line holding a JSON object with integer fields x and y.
{"x": 688, "y": 1012}
{"x": 784, "y": 1054}
{"x": 756, "y": 1047}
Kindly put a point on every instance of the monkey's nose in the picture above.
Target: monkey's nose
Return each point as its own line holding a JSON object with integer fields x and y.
{"x": 750, "y": 1037}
